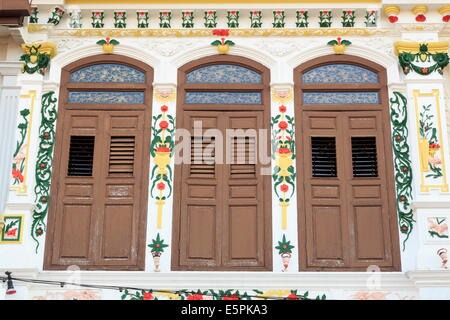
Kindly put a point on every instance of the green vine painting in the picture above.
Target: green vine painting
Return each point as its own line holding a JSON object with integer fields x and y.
{"x": 44, "y": 165}
{"x": 402, "y": 163}
{"x": 429, "y": 143}
{"x": 19, "y": 156}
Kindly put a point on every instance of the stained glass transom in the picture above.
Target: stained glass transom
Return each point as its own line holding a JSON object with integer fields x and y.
{"x": 223, "y": 73}
{"x": 108, "y": 73}
{"x": 340, "y": 97}
{"x": 224, "y": 97}
{"x": 106, "y": 97}
{"x": 340, "y": 73}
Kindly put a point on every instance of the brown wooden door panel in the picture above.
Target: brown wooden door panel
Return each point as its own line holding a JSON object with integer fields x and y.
{"x": 97, "y": 217}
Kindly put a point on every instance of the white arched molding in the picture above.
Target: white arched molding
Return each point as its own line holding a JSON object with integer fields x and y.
{"x": 61, "y": 60}
{"x": 390, "y": 63}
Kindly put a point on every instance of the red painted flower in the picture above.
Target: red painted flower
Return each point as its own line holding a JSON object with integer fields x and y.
{"x": 255, "y": 12}
{"x": 282, "y": 109}
{"x": 302, "y": 12}
{"x": 393, "y": 19}
{"x": 12, "y": 233}
{"x": 164, "y": 13}
{"x": 17, "y": 175}
{"x": 108, "y": 39}
{"x": 148, "y": 296}
{"x": 119, "y": 13}
{"x": 163, "y": 149}
{"x": 42, "y": 165}
{"x": 284, "y": 188}
{"x": 233, "y": 12}
{"x": 210, "y": 12}
{"x": 221, "y": 32}
{"x": 402, "y": 199}
{"x": 283, "y": 125}
{"x": 446, "y": 18}
{"x": 405, "y": 169}
{"x": 163, "y": 125}
{"x": 39, "y": 231}
{"x": 161, "y": 186}
{"x": 349, "y": 11}
{"x": 284, "y": 150}
{"x": 164, "y": 108}
{"x": 187, "y": 12}
{"x": 59, "y": 11}
{"x": 372, "y": 12}
{"x": 231, "y": 297}
{"x": 399, "y": 138}
{"x": 97, "y": 13}
{"x": 421, "y": 18}
{"x": 292, "y": 296}
{"x": 43, "y": 199}
{"x": 404, "y": 228}
{"x": 278, "y": 12}
{"x": 195, "y": 296}
{"x": 424, "y": 70}
{"x": 142, "y": 13}
{"x": 325, "y": 12}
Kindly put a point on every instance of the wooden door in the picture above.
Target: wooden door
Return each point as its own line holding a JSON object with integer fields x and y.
{"x": 347, "y": 208}
{"x": 99, "y": 188}
{"x": 223, "y": 220}
{"x": 99, "y": 202}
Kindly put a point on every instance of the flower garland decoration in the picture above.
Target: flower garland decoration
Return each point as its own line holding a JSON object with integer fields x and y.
{"x": 223, "y": 46}
{"x": 157, "y": 246}
{"x": 19, "y": 156}
{"x": 255, "y": 19}
{"x": 187, "y": 18}
{"x": 55, "y": 16}
{"x": 161, "y": 149}
{"x": 407, "y": 61}
{"x": 98, "y": 19}
{"x": 371, "y": 18}
{"x": 302, "y": 19}
{"x": 210, "y": 19}
{"x": 325, "y": 19}
{"x": 120, "y": 19}
{"x": 233, "y": 19}
{"x": 283, "y": 152}
{"x": 285, "y": 251}
{"x": 402, "y": 163}
{"x": 142, "y": 18}
{"x": 348, "y": 18}
{"x": 44, "y": 165}
{"x": 165, "y": 18}
{"x": 35, "y": 60}
{"x": 279, "y": 18}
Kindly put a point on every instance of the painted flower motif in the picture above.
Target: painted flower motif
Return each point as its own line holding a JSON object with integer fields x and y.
{"x": 283, "y": 125}
{"x": 39, "y": 231}
{"x": 421, "y": 18}
{"x": 12, "y": 233}
{"x": 284, "y": 150}
{"x": 446, "y": 18}
{"x": 163, "y": 125}
{"x": 283, "y": 109}
{"x": 161, "y": 186}
{"x": 164, "y": 108}
{"x": 393, "y": 19}
{"x": 17, "y": 175}
{"x": 438, "y": 228}
{"x": 292, "y": 296}
{"x": 434, "y": 146}
{"x": 284, "y": 188}
{"x": 195, "y": 296}
{"x": 221, "y": 32}
{"x": 163, "y": 149}
{"x": 231, "y": 297}
{"x": 148, "y": 296}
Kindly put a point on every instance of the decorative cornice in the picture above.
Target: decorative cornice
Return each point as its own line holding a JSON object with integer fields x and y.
{"x": 414, "y": 47}
{"x": 48, "y": 48}
{"x": 291, "y": 32}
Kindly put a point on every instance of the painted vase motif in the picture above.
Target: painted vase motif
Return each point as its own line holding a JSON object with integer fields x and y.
{"x": 424, "y": 147}
{"x": 286, "y": 259}
{"x": 162, "y": 160}
{"x": 284, "y": 161}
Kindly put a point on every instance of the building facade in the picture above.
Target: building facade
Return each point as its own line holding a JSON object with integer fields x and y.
{"x": 232, "y": 150}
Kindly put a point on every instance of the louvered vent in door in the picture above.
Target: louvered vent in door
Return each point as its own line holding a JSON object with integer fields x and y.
{"x": 244, "y": 157}
{"x": 203, "y": 152}
{"x": 81, "y": 156}
{"x": 364, "y": 157}
{"x": 323, "y": 150}
{"x": 121, "y": 156}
